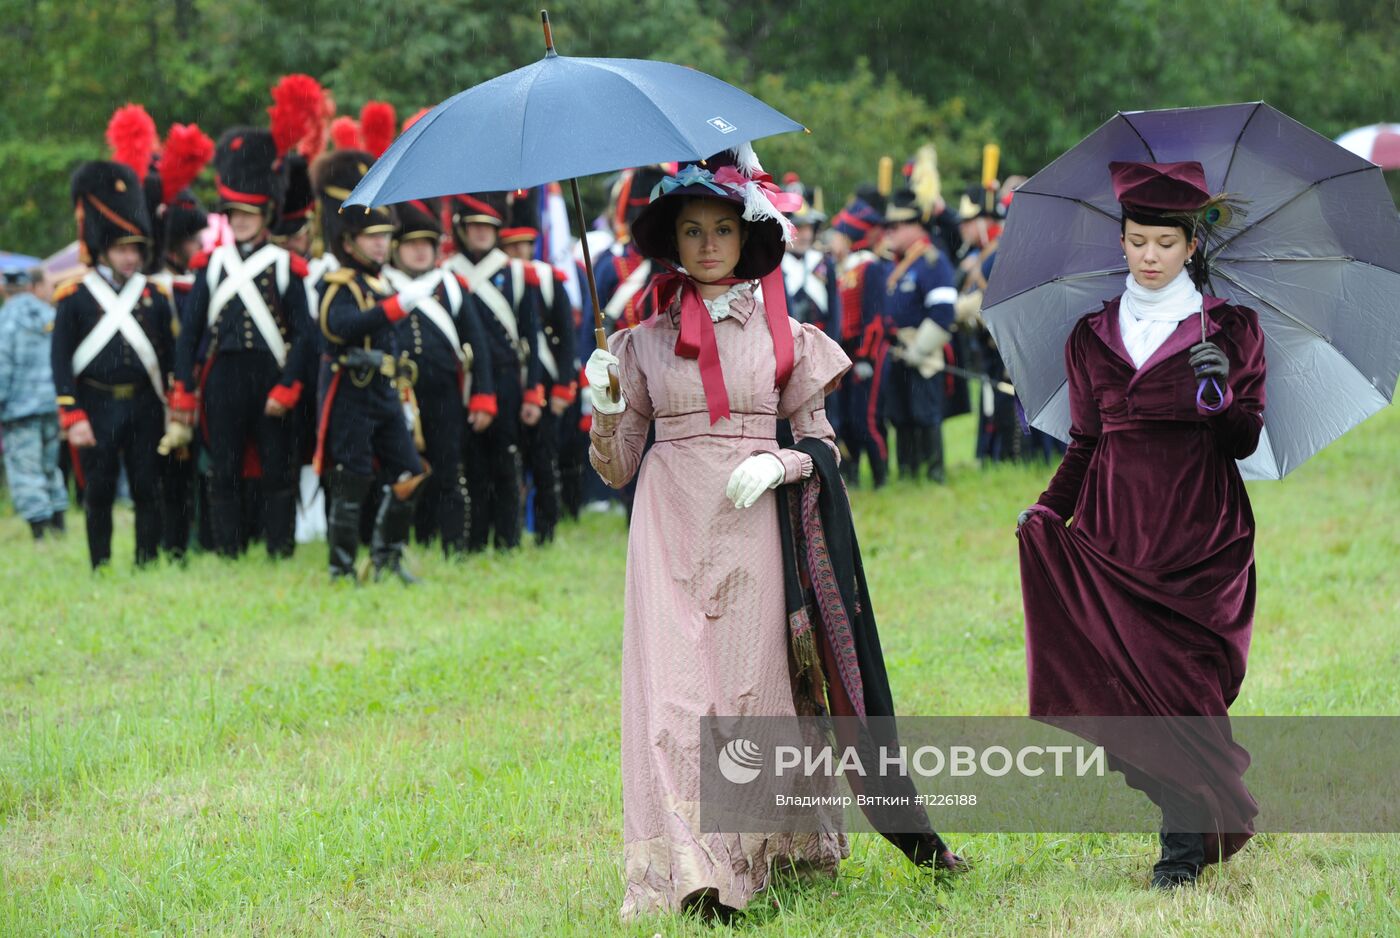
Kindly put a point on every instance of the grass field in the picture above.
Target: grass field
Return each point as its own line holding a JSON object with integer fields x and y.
{"x": 242, "y": 750}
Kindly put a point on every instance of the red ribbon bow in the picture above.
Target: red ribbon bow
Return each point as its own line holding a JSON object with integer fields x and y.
{"x": 697, "y": 333}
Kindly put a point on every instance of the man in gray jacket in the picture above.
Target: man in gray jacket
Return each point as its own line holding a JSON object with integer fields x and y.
{"x": 28, "y": 414}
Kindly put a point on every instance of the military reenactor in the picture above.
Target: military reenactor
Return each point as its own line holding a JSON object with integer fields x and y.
{"x": 621, "y": 272}
{"x": 444, "y": 336}
{"x": 292, "y": 228}
{"x": 362, "y": 419}
{"x": 182, "y": 220}
{"x": 493, "y": 456}
{"x": 112, "y": 347}
{"x": 808, "y": 274}
{"x": 855, "y": 232}
{"x": 999, "y": 434}
{"x": 250, "y": 302}
{"x": 919, "y": 297}
{"x": 554, "y": 346}
{"x": 294, "y": 231}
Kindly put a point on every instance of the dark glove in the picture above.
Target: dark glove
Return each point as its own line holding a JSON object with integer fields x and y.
{"x": 1208, "y": 361}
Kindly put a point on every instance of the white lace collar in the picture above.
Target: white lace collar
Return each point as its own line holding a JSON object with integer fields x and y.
{"x": 718, "y": 308}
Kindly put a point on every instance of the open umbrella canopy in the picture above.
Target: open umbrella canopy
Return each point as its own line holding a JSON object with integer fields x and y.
{"x": 1379, "y": 143}
{"x": 1317, "y": 257}
{"x": 561, "y": 118}
{"x": 11, "y": 262}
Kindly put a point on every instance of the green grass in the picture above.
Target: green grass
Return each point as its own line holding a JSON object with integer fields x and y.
{"x": 243, "y": 750}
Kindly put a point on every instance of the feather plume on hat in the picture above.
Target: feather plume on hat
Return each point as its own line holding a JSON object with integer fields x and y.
{"x": 131, "y": 133}
{"x": 296, "y": 110}
{"x": 925, "y": 180}
{"x": 186, "y": 152}
{"x": 378, "y": 126}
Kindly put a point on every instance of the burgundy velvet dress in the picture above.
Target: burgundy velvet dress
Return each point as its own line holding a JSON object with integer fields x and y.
{"x": 1137, "y": 565}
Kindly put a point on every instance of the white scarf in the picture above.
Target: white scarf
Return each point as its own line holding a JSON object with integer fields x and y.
{"x": 1146, "y": 317}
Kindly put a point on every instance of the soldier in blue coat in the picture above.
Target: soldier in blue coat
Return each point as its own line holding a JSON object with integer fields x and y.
{"x": 919, "y": 298}
{"x": 554, "y": 346}
{"x": 362, "y": 419}
{"x": 249, "y": 299}
{"x": 445, "y": 339}
{"x": 112, "y": 348}
{"x": 512, "y": 305}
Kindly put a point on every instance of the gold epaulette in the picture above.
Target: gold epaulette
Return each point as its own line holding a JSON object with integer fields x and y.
{"x": 164, "y": 290}
{"x": 341, "y": 275}
{"x": 67, "y": 288}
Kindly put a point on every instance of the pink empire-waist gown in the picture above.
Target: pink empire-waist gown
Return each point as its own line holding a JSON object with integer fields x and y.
{"x": 704, "y": 626}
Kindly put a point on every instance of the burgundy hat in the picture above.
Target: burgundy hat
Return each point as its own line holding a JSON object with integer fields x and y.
{"x": 728, "y": 176}
{"x": 1159, "y": 188}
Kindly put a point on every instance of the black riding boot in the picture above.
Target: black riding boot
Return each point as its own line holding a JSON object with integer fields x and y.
{"x": 280, "y": 521}
{"x": 347, "y": 496}
{"x": 226, "y": 522}
{"x": 1183, "y": 855}
{"x": 933, "y": 453}
{"x": 391, "y": 528}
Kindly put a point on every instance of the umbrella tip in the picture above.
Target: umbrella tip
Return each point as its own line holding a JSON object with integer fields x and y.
{"x": 806, "y": 130}
{"x": 548, "y": 33}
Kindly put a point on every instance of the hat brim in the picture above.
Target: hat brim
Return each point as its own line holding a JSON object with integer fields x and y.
{"x": 654, "y": 233}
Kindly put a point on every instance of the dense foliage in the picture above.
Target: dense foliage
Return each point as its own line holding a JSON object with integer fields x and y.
{"x": 868, "y": 79}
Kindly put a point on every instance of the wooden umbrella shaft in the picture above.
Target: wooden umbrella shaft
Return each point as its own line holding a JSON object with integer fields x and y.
{"x": 600, "y": 335}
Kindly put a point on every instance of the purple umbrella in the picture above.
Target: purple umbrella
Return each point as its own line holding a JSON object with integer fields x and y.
{"x": 1318, "y": 257}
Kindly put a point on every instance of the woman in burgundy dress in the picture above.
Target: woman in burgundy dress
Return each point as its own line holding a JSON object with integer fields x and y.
{"x": 1137, "y": 563}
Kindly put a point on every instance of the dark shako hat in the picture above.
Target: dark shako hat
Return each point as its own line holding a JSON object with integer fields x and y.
{"x": 109, "y": 205}
{"x": 248, "y": 172}
{"x": 334, "y": 177}
{"x": 522, "y": 217}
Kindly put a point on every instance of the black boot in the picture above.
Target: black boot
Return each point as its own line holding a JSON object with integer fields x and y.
{"x": 454, "y": 514}
{"x": 347, "y": 496}
{"x": 879, "y": 470}
{"x": 280, "y": 521}
{"x": 39, "y": 528}
{"x": 226, "y": 522}
{"x": 147, "y": 531}
{"x": 1183, "y": 855}
{"x": 57, "y": 524}
{"x": 391, "y": 527}
{"x": 933, "y": 453}
{"x": 906, "y": 449}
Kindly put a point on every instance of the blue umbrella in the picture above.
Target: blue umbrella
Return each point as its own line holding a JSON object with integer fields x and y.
{"x": 16, "y": 263}
{"x": 564, "y": 117}
{"x": 561, "y": 118}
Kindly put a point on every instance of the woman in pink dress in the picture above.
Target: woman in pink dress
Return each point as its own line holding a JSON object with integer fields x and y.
{"x": 704, "y": 629}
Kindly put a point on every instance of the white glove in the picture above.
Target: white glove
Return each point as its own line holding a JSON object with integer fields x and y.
{"x": 414, "y": 292}
{"x": 597, "y": 373}
{"x": 176, "y": 435}
{"x": 753, "y": 477}
{"x": 864, "y": 371}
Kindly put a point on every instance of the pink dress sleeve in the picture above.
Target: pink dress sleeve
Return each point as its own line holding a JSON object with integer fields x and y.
{"x": 818, "y": 363}
{"x": 618, "y": 439}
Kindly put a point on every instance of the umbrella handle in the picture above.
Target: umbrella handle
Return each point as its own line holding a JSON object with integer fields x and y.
{"x": 1201, "y": 396}
{"x": 600, "y": 339}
